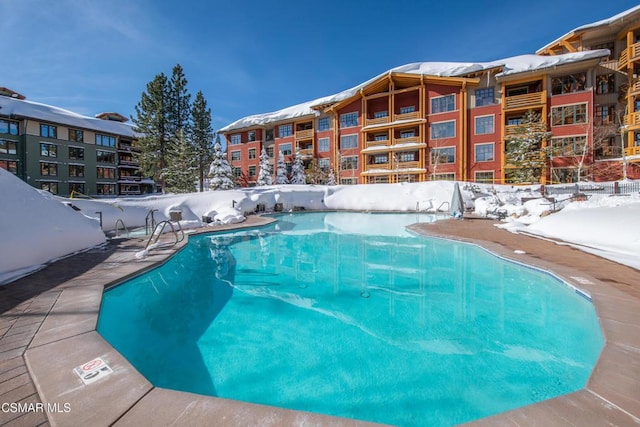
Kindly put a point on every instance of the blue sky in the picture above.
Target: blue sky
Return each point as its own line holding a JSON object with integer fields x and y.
{"x": 250, "y": 57}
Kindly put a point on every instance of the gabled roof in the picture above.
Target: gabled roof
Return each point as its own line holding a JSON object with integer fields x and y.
{"x": 505, "y": 67}
{"x": 22, "y": 108}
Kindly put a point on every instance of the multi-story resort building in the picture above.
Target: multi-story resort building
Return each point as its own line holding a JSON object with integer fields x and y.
{"x": 451, "y": 121}
{"x": 67, "y": 153}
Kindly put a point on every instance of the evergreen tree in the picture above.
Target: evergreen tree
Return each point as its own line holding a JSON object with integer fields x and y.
{"x": 179, "y": 110}
{"x": 220, "y": 173}
{"x": 201, "y": 136}
{"x": 152, "y": 125}
{"x": 314, "y": 174}
{"x": 180, "y": 172}
{"x": 331, "y": 180}
{"x": 281, "y": 171}
{"x": 264, "y": 177}
{"x": 297, "y": 170}
{"x": 525, "y": 153}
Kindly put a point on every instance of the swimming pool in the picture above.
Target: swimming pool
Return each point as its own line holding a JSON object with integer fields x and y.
{"x": 315, "y": 313}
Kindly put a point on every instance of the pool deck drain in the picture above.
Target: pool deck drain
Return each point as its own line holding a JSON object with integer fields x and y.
{"x": 48, "y": 321}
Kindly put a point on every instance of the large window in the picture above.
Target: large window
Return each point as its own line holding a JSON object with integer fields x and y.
{"x": 9, "y": 165}
{"x": 443, "y": 130}
{"x": 568, "y": 146}
{"x": 348, "y": 120}
{"x": 605, "y": 83}
{"x": 76, "y": 187}
{"x": 76, "y": 153}
{"x": 48, "y": 169}
{"x": 105, "y": 140}
{"x": 381, "y": 137}
{"x": 408, "y": 109}
{"x": 349, "y": 141}
{"x": 251, "y": 135}
{"x": 323, "y": 145}
{"x": 407, "y": 134}
{"x": 7, "y": 126}
{"x": 484, "y": 152}
{"x": 285, "y": 130}
{"x": 235, "y": 156}
{"x": 51, "y": 187}
{"x": 252, "y": 171}
{"x": 323, "y": 164}
{"x": 270, "y": 151}
{"x": 444, "y": 177}
{"x": 569, "y": 115}
{"x": 349, "y": 163}
{"x": 237, "y": 172}
{"x": 8, "y": 147}
{"x": 76, "y": 171}
{"x": 605, "y": 115}
{"x": 106, "y": 173}
{"x": 484, "y": 177}
{"x": 286, "y": 149}
{"x": 105, "y": 156}
{"x": 569, "y": 83}
{"x": 76, "y": 135}
{"x": 484, "y": 97}
{"x": 380, "y": 114}
{"x": 252, "y": 153}
{"x": 106, "y": 189}
{"x": 324, "y": 123}
{"x": 379, "y": 159}
{"x": 407, "y": 156}
{"x": 48, "y": 131}
{"x": 442, "y": 104}
{"x": 48, "y": 150}
{"x": 484, "y": 125}
{"x": 443, "y": 155}
{"x": 236, "y": 138}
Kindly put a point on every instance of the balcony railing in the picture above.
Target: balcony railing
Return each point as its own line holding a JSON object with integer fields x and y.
{"x": 631, "y": 53}
{"x": 632, "y": 151}
{"x": 306, "y": 152}
{"x": 304, "y": 134}
{"x": 409, "y": 140}
{"x": 608, "y": 152}
{"x": 377, "y": 121}
{"x": 407, "y": 116}
{"x": 372, "y": 166}
{"x": 632, "y": 119}
{"x": 408, "y": 165}
{"x": 377, "y": 143}
{"x": 523, "y": 102}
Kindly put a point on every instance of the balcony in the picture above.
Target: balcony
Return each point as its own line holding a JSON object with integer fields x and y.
{"x": 377, "y": 166}
{"x": 407, "y": 116}
{"x": 409, "y": 140}
{"x": 378, "y": 143}
{"x": 377, "y": 121}
{"x": 635, "y": 89}
{"x": 408, "y": 165}
{"x": 304, "y": 134}
{"x": 632, "y": 151}
{"x": 526, "y": 101}
{"x": 630, "y": 54}
{"x": 632, "y": 119}
{"x": 306, "y": 153}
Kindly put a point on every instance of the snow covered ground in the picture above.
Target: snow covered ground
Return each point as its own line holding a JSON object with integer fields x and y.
{"x": 37, "y": 228}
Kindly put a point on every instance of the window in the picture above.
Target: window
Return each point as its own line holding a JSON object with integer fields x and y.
{"x": 286, "y": 149}
{"x": 442, "y": 104}
{"x": 48, "y": 131}
{"x": 48, "y": 150}
{"x": 106, "y": 173}
{"x": 407, "y": 110}
{"x": 324, "y": 123}
{"x": 568, "y": 146}
{"x": 105, "y": 156}
{"x": 106, "y": 189}
{"x": 380, "y": 137}
{"x": 484, "y": 152}
{"x": 76, "y": 171}
{"x": 237, "y": 172}
{"x": 285, "y": 130}
{"x": 76, "y": 187}
{"x": 604, "y": 115}
{"x": 484, "y": 97}
{"x": 379, "y": 159}
{"x": 236, "y": 138}
{"x": 484, "y": 177}
{"x": 348, "y": 181}
{"x": 8, "y": 147}
{"x": 349, "y": 141}
{"x": 76, "y": 153}
{"x": 605, "y": 83}
{"x": 444, "y": 177}
{"x": 443, "y": 130}
{"x": 252, "y": 171}
{"x": 407, "y": 134}
{"x": 252, "y": 153}
{"x": 105, "y": 140}
{"x": 349, "y": 163}
{"x": 444, "y": 155}
{"x": 7, "y": 126}
{"x": 569, "y": 115}
{"x": 323, "y": 164}
{"x": 323, "y": 145}
{"x": 408, "y": 156}
{"x": 51, "y": 187}
{"x": 235, "y": 155}
{"x": 251, "y": 136}
{"x": 269, "y": 151}
{"x": 514, "y": 121}
{"x": 567, "y": 84}
{"x": 48, "y": 169}
{"x": 9, "y": 165}
{"x": 76, "y": 135}
{"x": 348, "y": 120}
{"x": 484, "y": 125}
{"x": 268, "y": 134}
{"x": 380, "y": 114}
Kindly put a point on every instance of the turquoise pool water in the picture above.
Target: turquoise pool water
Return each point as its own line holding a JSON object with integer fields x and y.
{"x": 348, "y": 314}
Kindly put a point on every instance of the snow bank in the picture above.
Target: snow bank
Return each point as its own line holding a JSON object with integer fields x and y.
{"x": 36, "y": 228}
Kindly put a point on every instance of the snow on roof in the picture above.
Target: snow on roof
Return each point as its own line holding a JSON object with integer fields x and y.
{"x": 34, "y": 110}
{"x": 512, "y": 65}
{"x": 602, "y": 23}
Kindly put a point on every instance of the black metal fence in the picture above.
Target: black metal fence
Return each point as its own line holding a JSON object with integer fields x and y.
{"x": 616, "y": 187}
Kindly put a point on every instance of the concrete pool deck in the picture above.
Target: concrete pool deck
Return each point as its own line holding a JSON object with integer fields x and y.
{"x": 48, "y": 321}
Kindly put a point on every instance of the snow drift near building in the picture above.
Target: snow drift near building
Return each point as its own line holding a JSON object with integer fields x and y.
{"x": 36, "y": 228}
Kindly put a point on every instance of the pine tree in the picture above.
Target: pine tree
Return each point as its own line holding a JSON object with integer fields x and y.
{"x": 525, "y": 153}
{"x": 220, "y": 173}
{"x": 201, "y": 136}
{"x": 180, "y": 172}
{"x": 151, "y": 124}
{"x": 281, "y": 171}
{"x": 179, "y": 110}
{"x": 264, "y": 177}
{"x": 297, "y": 170}
{"x": 331, "y": 180}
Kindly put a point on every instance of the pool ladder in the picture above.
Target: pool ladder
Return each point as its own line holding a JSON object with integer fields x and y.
{"x": 159, "y": 229}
